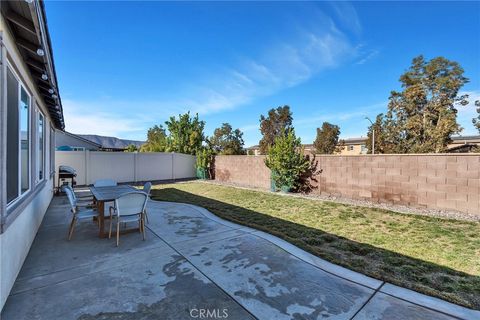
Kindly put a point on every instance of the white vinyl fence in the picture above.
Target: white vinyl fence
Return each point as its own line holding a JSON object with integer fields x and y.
{"x": 126, "y": 166}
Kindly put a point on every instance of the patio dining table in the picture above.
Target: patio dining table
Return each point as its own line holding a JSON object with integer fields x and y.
{"x": 103, "y": 195}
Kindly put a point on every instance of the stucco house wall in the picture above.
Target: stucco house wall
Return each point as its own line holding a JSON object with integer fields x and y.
{"x": 21, "y": 218}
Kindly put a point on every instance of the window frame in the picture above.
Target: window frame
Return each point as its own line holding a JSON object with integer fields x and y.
{"x": 21, "y": 195}
{"x": 51, "y": 147}
{"x": 39, "y": 114}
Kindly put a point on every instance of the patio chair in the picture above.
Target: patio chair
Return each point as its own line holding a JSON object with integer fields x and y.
{"x": 146, "y": 188}
{"x": 129, "y": 207}
{"x": 77, "y": 214}
{"x": 104, "y": 183}
{"x": 84, "y": 201}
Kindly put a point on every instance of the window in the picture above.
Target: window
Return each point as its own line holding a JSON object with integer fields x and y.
{"x": 24, "y": 140}
{"x": 364, "y": 148}
{"x": 18, "y": 138}
{"x": 12, "y": 137}
{"x": 41, "y": 147}
{"x": 350, "y": 148}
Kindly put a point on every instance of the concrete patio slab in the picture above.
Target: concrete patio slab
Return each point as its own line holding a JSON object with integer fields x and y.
{"x": 192, "y": 263}
{"x": 274, "y": 284}
{"x": 164, "y": 286}
{"x": 179, "y": 223}
{"x": 383, "y": 306}
{"x": 320, "y": 263}
{"x": 90, "y": 278}
{"x": 430, "y": 302}
{"x": 84, "y": 248}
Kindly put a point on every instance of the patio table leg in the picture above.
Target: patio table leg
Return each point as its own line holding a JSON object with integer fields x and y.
{"x": 101, "y": 220}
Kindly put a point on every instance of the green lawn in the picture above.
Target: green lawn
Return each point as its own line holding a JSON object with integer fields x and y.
{"x": 435, "y": 256}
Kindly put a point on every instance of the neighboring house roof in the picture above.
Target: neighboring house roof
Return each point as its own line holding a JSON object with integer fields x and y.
{"x": 76, "y": 136}
{"x": 466, "y": 139}
{"x": 463, "y": 148}
{"x": 351, "y": 141}
{"x": 348, "y": 141}
{"x": 362, "y": 140}
{"x": 110, "y": 142}
{"x": 28, "y": 24}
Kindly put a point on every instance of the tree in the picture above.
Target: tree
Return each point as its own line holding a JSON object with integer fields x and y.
{"x": 131, "y": 148}
{"x": 287, "y": 161}
{"x": 227, "y": 141}
{"x": 327, "y": 141}
{"x": 423, "y": 116}
{"x": 156, "y": 140}
{"x": 185, "y": 134}
{"x": 277, "y": 122}
{"x": 476, "y": 121}
{"x": 384, "y": 141}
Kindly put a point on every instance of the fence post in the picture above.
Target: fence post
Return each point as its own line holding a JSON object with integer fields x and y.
{"x": 87, "y": 164}
{"x": 173, "y": 166}
{"x": 135, "y": 154}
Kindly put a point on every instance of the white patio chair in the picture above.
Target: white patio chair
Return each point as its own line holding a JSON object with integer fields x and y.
{"x": 77, "y": 214}
{"x": 104, "y": 183}
{"x": 129, "y": 207}
{"x": 146, "y": 188}
{"x": 84, "y": 201}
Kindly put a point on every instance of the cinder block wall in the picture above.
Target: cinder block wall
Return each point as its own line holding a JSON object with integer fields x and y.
{"x": 449, "y": 182}
{"x": 249, "y": 171}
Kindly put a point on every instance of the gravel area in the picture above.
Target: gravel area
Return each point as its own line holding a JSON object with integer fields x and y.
{"x": 444, "y": 214}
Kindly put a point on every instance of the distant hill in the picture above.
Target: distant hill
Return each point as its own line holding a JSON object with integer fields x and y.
{"x": 111, "y": 142}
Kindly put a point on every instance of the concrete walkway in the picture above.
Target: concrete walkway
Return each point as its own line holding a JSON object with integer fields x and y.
{"x": 195, "y": 265}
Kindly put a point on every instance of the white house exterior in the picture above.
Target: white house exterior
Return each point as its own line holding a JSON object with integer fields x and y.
{"x": 30, "y": 111}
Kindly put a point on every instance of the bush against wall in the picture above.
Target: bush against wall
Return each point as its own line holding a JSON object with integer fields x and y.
{"x": 204, "y": 161}
{"x": 287, "y": 161}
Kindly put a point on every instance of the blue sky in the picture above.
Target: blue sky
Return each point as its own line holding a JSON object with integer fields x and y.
{"x": 126, "y": 66}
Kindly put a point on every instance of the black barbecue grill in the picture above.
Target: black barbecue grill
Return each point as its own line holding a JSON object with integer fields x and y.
{"x": 65, "y": 173}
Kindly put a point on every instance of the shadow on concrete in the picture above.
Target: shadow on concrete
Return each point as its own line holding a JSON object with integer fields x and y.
{"x": 419, "y": 275}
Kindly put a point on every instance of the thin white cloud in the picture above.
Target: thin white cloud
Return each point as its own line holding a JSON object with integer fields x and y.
{"x": 360, "y": 113}
{"x": 92, "y": 118}
{"x": 347, "y": 15}
{"x": 285, "y": 64}
{"x": 368, "y": 56}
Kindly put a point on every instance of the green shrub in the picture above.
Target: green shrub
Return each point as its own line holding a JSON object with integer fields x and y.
{"x": 204, "y": 161}
{"x": 287, "y": 161}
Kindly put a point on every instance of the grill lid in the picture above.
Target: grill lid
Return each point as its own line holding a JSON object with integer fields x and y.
{"x": 67, "y": 170}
